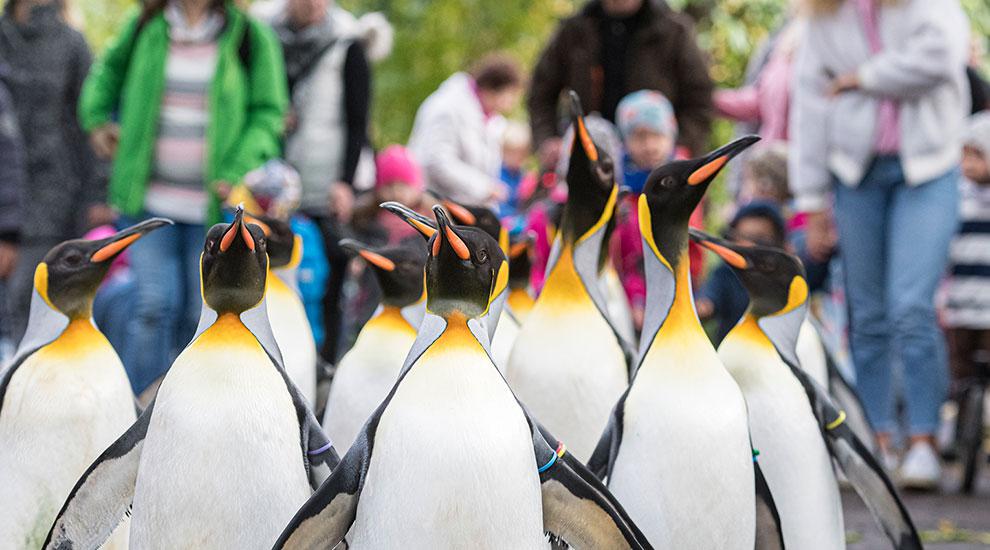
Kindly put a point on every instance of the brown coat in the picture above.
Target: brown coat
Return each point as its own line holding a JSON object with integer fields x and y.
{"x": 663, "y": 56}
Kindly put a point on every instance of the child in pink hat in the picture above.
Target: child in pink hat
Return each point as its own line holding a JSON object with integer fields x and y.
{"x": 398, "y": 178}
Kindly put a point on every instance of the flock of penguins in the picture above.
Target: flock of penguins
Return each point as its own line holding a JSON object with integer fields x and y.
{"x": 449, "y": 444}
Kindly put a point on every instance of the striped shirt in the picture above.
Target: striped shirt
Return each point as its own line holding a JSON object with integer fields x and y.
{"x": 967, "y": 299}
{"x": 177, "y": 188}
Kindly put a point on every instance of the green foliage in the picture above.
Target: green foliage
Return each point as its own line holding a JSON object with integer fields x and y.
{"x": 435, "y": 38}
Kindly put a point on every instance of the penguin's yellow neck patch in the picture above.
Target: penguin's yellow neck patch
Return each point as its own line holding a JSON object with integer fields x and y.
{"x": 41, "y": 283}
{"x": 682, "y": 319}
{"x": 748, "y": 329}
{"x": 79, "y": 338}
{"x": 520, "y": 301}
{"x": 563, "y": 291}
{"x": 457, "y": 335}
{"x": 227, "y": 331}
{"x": 390, "y": 318}
{"x": 277, "y": 286}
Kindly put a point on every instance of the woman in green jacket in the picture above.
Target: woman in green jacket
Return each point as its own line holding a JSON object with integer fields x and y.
{"x": 187, "y": 99}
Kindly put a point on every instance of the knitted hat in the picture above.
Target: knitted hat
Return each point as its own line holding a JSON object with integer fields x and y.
{"x": 646, "y": 109}
{"x": 396, "y": 165}
{"x": 978, "y": 132}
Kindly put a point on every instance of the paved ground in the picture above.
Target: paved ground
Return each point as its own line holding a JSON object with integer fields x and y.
{"x": 948, "y": 520}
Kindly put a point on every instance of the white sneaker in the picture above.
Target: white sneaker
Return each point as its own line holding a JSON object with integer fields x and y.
{"x": 921, "y": 469}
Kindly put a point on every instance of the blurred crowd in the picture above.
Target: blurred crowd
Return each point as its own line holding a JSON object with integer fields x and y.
{"x": 874, "y": 167}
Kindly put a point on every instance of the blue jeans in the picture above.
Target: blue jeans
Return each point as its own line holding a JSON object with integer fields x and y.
{"x": 165, "y": 266}
{"x": 894, "y": 242}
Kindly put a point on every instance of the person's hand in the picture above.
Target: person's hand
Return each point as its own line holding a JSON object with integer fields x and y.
{"x": 105, "y": 139}
{"x": 705, "y": 308}
{"x": 638, "y": 315}
{"x": 291, "y": 121}
{"x": 8, "y": 258}
{"x": 821, "y": 236}
{"x": 341, "y": 201}
{"x": 549, "y": 153}
{"x": 99, "y": 214}
{"x": 844, "y": 83}
{"x": 223, "y": 190}
{"x": 499, "y": 193}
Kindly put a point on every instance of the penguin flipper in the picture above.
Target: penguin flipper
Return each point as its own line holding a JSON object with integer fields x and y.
{"x": 861, "y": 468}
{"x": 847, "y": 398}
{"x": 769, "y": 533}
{"x": 603, "y": 457}
{"x": 103, "y": 495}
{"x": 577, "y": 507}
{"x": 325, "y": 518}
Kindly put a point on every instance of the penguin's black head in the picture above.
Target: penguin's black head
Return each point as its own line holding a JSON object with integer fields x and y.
{"x": 590, "y": 178}
{"x": 520, "y": 263}
{"x": 399, "y": 270}
{"x": 423, "y": 225}
{"x": 234, "y": 266}
{"x": 283, "y": 247}
{"x": 773, "y": 278}
{"x": 675, "y": 189}
{"x": 72, "y": 271}
{"x": 481, "y": 217}
{"x": 465, "y": 271}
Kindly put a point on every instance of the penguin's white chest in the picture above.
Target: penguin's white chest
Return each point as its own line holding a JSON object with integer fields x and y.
{"x": 684, "y": 469}
{"x": 569, "y": 369}
{"x": 222, "y": 463}
{"x": 294, "y": 337}
{"x": 364, "y": 377}
{"x": 452, "y": 464}
{"x": 793, "y": 456}
{"x": 65, "y": 404}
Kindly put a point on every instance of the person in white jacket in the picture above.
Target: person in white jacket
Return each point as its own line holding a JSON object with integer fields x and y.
{"x": 456, "y": 136}
{"x": 880, "y": 97}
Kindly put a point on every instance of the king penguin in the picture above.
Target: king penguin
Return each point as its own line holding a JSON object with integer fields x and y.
{"x": 286, "y": 312}
{"x": 486, "y": 220}
{"x": 450, "y": 459}
{"x": 221, "y": 458}
{"x": 569, "y": 364}
{"x": 677, "y": 451}
{"x": 65, "y": 395}
{"x": 793, "y": 421}
{"x": 369, "y": 369}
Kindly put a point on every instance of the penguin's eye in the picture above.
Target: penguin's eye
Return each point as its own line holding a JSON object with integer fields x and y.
{"x": 73, "y": 259}
{"x": 482, "y": 256}
{"x": 668, "y": 182}
{"x": 210, "y": 243}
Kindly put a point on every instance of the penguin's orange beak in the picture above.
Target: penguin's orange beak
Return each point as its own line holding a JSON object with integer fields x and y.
{"x": 370, "y": 256}
{"x": 713, "y": 163}
{"x": 118, "y": 243}
{"x": 237, "y": 228}
{"x": 265, "y": 228}
{"x": 447, "y": 233}
{"x": 719, "y": 247}
{"x": 580, "y": 130}
{"x": 461, "y": 214}
{"x": 417, "y": 221}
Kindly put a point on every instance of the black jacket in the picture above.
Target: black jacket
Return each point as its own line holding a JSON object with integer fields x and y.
{"x": 12, "y": 177}
{"x": 48, "y": 62}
